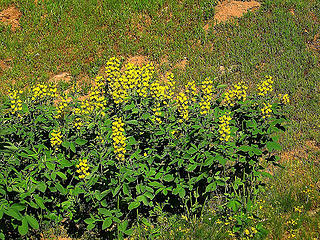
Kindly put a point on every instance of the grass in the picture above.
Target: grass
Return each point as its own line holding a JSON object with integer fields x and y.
{"x": 65, "y": 36}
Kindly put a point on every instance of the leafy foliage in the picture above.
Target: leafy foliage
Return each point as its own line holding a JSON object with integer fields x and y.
{"x": 172, "y": 157}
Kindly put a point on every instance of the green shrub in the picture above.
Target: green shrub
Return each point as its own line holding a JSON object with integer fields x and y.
{"x": 104, "y": 163}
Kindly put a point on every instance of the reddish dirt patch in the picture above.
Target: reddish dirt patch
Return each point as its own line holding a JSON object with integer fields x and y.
{"x": 182, "y": 64}
{"x": 315, "y": 43}
{"x": 141, "y": 22}
{"x": 36, "y": 1}
{"x": 229, "y": 10}
{"x": 138, "y": 60}
{"x": 5, "y": 64}
{"x": 65, "y": 77}
{"x": 11, "y": 16}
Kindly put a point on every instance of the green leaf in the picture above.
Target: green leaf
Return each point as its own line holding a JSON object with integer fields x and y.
{"x": 89, "y": 221}
{"x": 244, "y": 148}
{"x": 196, "y": 126}
{"x": 125, "y": 189}
{"x": 220, "y": 159}
{"x": 80, "y": 141}
{"x": 14, "y": 213}
{"x": 149, "y": 195}
{"x": 222, "y": 86}
{"x": 32, "y": 222}
{"x": 12, "y": 147}
{"x": 168, "y": 178}
{"x": 39, "y": 201}
{"x": 50, "y": 166}
{"x": 65, "y": 163}
{"x": 158, "y": 133}
{"x": 72, "y": 147}
{"x": 105, "y": 212}
{"x": 62, "y": 175}
{"x": 97, "y": 194}
{"x": 211, "y": 187}
{"x": 134, "y": 205}
{"x": 181, "y": 192}
{"x": 129, "y": 107}
{"x": 61, "y": 189}
{"x": 131, "y": 141}
{"x": 18, "y": 206}
{"x": 257, "y": 151}
{"x": 192, "y": 167}
{"x": 90, "y": 226}
{"x": 143, "y": 199}
{"x": 53, "y": 176}
{"x": 116, "y": 191}
{"x": 234, "y": 204}
{"x": 134, "y": 122}
{"x": 145, "y": 116}
{"x": 123, "y": 226}
{"x": 106, "y": 223}
{"x": 25, "y": 108}
{"x": 23, "y": 229}
{"x": 155, "y": 184}
{"x": 33, "y": 204}
{"x": 66, "y": 144}
{"x": 192, "y": 150}
{"x": 273, "y": 146}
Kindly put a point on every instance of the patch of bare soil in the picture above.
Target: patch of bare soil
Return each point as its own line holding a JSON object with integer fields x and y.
{"x": 5, "y": 64}
{"x": 314, "y": 45}
{"x": 11, "y": 16}
{"x": 182, "y": 64}
{"x": 229, "y": 10}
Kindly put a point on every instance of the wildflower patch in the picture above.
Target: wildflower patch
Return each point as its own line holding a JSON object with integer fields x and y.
{"x": 108, "y": 161}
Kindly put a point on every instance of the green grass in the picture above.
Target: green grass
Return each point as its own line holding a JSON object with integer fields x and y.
{"x": 79, "y": 36}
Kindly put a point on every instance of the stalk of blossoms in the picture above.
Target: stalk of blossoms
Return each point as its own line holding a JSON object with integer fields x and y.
{"x": 119, "y": 140}
{"x": 82, "y": 168}
{"x": 182, "y": 102}
{"x": 266, "y": 110}
{"x": 42, "y": 91}
{"x": 224, "y": 127}
{"x": 235, "y": 94}
{"x": 56, "y": 138}
{"x": 15, "y": 101}
{"x": 207, "y": 94}
{"x": 191, "y": 91}
{"x": 284, "y": 98}
{"x": 265, "y": 86}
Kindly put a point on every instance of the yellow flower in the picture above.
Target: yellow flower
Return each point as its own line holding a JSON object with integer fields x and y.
{"x": 266, "y": 110}
{"x": 235, "y": 94}
{"x": 265, "y": 86}
{"x": 284, "y": 99}
{"x": 224, "y": 128}
{"x": 82, "y": 168}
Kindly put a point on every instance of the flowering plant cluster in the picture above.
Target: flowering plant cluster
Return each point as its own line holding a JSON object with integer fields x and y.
{"x": 83, "y": 168}
{"x": 204, "y": 139}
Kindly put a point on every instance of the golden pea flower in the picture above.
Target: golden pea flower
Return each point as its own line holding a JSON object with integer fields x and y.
{"x": 266, "y": 110}
{"x": 119, "y": 139}
{"x": 56, "y": 138}
{"x": 183, "y": 105}
{"x": 16, "y": 103}
{"x": 82, "y": 168}
{"x": 265, "y": 86}
{"x": 284, "y": 98}
{"x": 224, "y": 127}
{"x": 235, "y": 94}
